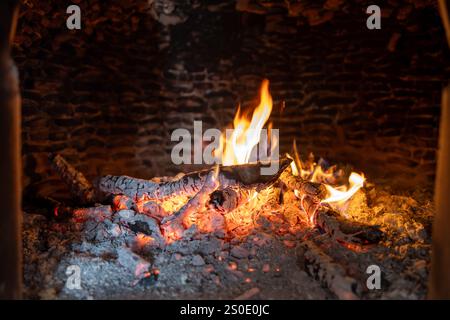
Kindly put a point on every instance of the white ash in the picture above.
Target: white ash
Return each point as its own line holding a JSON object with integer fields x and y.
{"x": 125, "y": 256}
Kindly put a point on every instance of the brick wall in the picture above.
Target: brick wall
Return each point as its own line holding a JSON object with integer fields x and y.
{"x": 108, "y": 96}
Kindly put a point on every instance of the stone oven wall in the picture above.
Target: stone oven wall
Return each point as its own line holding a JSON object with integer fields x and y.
{"x": 108, "y": 96}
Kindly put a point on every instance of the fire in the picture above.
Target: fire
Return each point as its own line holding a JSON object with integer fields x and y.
{"x": 294, "y": 169}
{"x": 315, "y": 173}
{"x": 343, "y": 193}
{"x": 237, "y": 147}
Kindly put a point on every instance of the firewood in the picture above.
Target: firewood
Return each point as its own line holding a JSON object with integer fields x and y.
{"x": 331, "y": 275}
{"x": 223, "y": 190}
{"x": 189, "y": 185}
{"x": 310, "y": 205}
{"x": 303, "y": 186}
{"x": 175, "y": 224}
{"x": 199, "y": 201}
{"x": 153, "y": 209}
{"x": 97, "y": 214}
{"x": 145, "y": 190}
{"x": 121, "y": 202}
{"x": 51, "y": 208}
{"x": 352, "y": 234}
{"x": 79, "y": 186}
{"x": 228, "y": 199}
{"x": 309, "y": 193}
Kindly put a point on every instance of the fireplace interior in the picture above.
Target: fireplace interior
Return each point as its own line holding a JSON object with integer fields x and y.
{"x": 357, "y": 111}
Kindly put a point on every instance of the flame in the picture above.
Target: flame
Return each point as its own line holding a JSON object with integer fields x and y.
{"x": 294, "y": 169}
{"x": 342, "y": 194}
{"x": 315, "y": 173}
{"x": 318, "y": 175}
{"x": 237, "y": 147}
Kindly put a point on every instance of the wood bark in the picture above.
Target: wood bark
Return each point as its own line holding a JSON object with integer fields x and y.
{"x": 174, "y": 225}
{"x": 241, "y": 179}
{"x": 189, "y": 185}
{"x": 10, "y": 165}
{"x": 352, "y": 234}
{"x": 228, "y": 199}
{"x": 331, "y": 274}
{"x": 79, "y": 186}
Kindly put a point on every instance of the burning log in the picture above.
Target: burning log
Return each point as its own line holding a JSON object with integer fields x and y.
{"x": 233, "y": 186}
{"x": 135, "y": 263}
{"x": 236, "y": 183}
{"x": 310, "y": 206}
{"x": 189, "y": 185}
{"x": 146, "y": 190}
{"x": 331, "y": 274}
{"x": 228, "y": 199}
{"x": 222, "y": 189}
{"x": 353, "y": 235}
{"x": 310, "y": 193}
{"x": 304, "y": 187}
{"x": 154, "y": 210}
{"x": 79, "y": 186}
{"x": 121, "y": 202}
{"x": 175, "y": 224}
{"x": 97, "y": 214}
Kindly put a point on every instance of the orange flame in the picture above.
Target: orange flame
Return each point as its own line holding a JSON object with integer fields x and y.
{"x": 237, "y": 147}
{"x": 294, "y": 169}
{"x": 342, "y": 194}
{"x": 314, "y": 173}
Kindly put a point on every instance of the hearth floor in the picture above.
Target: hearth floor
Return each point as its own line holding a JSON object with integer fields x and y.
{"x": 272, "y": 261}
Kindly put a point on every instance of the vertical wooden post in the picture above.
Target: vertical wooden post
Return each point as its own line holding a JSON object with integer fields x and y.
{"x": 439, "y": 286}
{"x": 10, "y": 163}
{"x": 440, "y": 265}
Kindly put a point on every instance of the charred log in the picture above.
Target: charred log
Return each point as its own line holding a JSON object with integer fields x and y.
{"x": 303, "y": 187}
{"x": 175, "y": 224}
{"x": 189, "y": 185}
{"x": 236, "y": 184}
{"x": 331, "y": 275}
{"x": 350, "y": 233}
{"x": 79, "y": 186}
{"x": 230, "y": 198}
{"x": 51, "y": 208}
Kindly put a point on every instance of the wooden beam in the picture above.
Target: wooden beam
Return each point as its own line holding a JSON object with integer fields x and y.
{"x": 10, "y": 165}
{"x": 439, "y": 286}
{"x": 440, "y": 266}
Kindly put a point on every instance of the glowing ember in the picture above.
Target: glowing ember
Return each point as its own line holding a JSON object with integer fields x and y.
{"x": 142, "y": 240}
